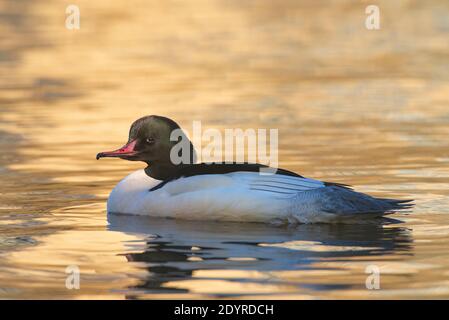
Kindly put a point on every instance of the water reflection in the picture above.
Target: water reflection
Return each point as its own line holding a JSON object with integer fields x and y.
{"x": 179, "y": 251}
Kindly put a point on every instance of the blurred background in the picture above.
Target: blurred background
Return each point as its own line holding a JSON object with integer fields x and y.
{"x": 364, "y": 107}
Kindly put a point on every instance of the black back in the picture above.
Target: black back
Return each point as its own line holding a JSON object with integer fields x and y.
{"x": 190, "y": 170}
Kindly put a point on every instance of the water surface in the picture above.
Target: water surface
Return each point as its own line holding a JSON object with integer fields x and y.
{"x": 366, "y": 108}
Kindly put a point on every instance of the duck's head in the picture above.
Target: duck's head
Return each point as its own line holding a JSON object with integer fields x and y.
{"x": 150, "y": 141}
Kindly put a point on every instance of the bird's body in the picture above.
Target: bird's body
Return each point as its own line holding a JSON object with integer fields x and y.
{"x": 229, "y": 192}
{"x": 243, "y": 196}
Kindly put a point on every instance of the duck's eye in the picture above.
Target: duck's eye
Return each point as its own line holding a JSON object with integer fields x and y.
{"x": 149, "y": 140}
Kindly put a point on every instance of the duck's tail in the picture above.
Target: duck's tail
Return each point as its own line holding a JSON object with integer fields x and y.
{"x": 396, "y": 205}
{"x": 337, "y": 203}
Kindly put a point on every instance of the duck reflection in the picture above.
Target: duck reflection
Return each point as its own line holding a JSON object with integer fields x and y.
{"x": 176, "y": 249}
{"x": 156, "y": 257}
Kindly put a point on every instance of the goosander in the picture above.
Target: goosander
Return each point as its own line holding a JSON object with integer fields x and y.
{"x": 227, "y": 191}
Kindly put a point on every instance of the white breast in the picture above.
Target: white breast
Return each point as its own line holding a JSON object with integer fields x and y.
{"x": 237, "y": 196}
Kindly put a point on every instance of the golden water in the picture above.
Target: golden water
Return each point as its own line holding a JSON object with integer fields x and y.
{"x": 367, "y": 108}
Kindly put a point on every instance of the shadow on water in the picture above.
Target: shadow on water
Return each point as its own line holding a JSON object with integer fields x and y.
{"x": 176, "y": 249}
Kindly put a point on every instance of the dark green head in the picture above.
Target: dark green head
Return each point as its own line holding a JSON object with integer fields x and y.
{"x": 151, "y": 140}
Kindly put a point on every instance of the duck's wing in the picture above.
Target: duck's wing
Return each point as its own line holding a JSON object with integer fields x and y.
{"x": 279, "y": 183}
{"x": 247, "y": 184}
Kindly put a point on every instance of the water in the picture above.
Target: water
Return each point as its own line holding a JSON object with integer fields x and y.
{"x": 366, "y": 108}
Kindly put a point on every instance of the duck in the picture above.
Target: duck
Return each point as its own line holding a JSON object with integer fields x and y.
{"x": 238, "y": 192}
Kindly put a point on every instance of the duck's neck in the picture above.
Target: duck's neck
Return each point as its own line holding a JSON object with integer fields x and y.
{"x": 163, "y": 170}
